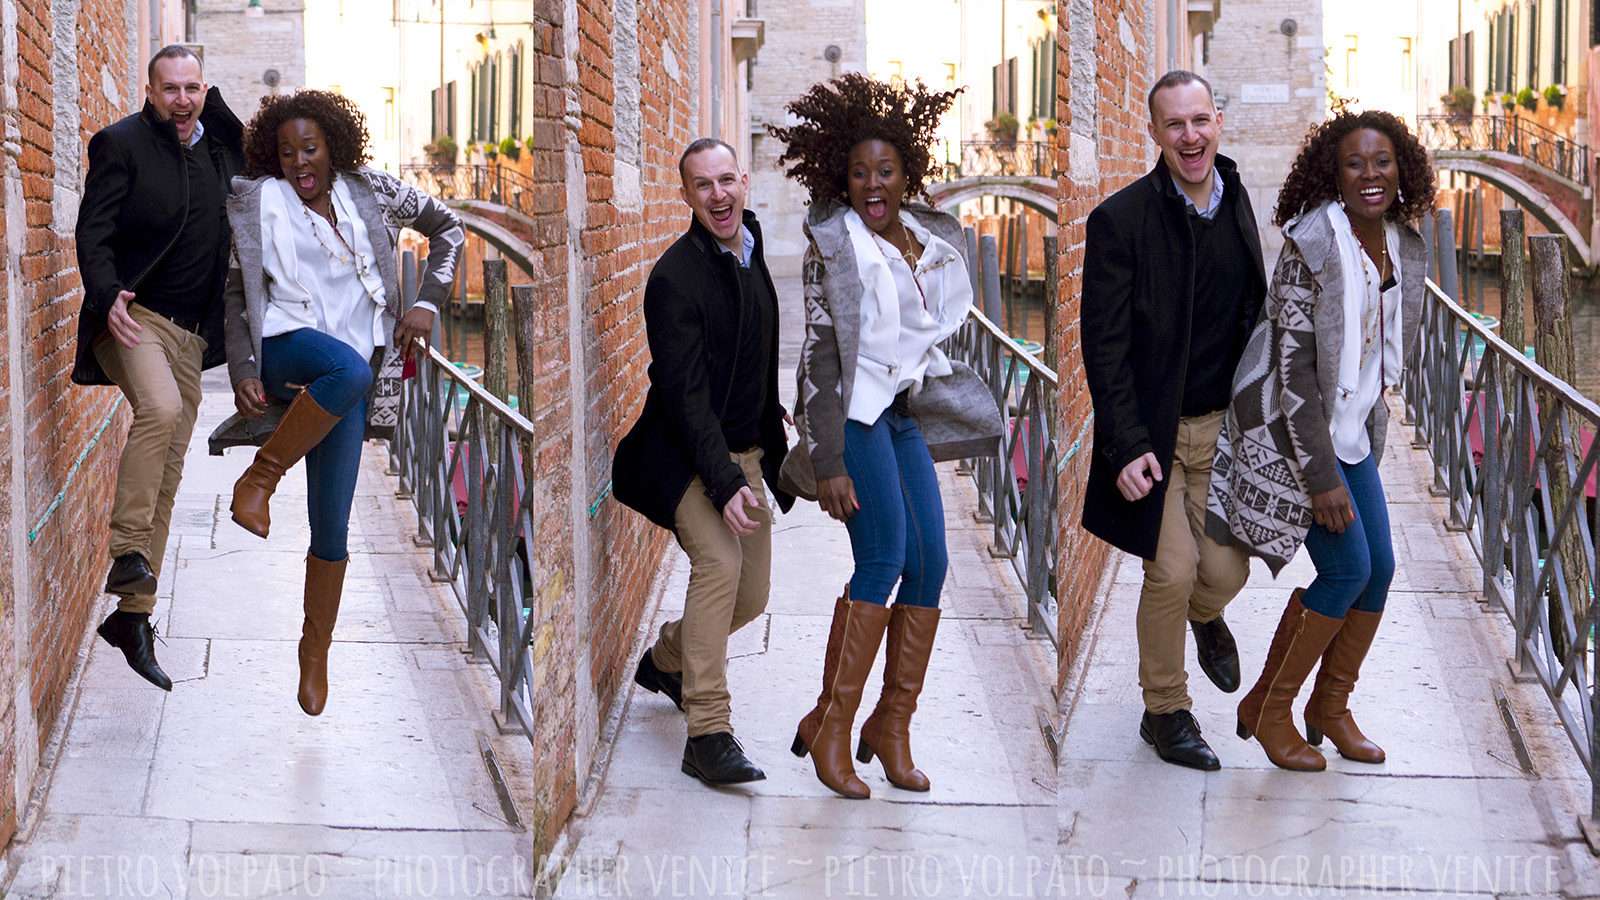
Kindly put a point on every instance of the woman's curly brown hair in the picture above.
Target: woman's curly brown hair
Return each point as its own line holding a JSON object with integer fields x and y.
{"x": 837, "y": 115}
{"x": 341, "y": 122}
{"x": 1313, "y": 179}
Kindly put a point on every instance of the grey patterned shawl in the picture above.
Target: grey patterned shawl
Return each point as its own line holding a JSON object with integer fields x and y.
{"x": 1275, "y": 449}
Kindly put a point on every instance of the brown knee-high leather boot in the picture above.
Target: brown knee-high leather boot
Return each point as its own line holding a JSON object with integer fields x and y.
{"x": 1328, "y": 710}
{"x": 302, "y": 428}
{"x": 324, "y": 586}
{"x": 1266, "y": 711}
{"x": 825, "y": 731}
{"x": 887, "y": 732}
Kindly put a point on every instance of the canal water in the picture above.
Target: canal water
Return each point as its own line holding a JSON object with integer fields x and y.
{"x": 1482, "y": 295}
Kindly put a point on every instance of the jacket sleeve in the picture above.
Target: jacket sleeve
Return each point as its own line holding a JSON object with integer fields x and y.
{"x": 677, "y": 340}
{"x": 1106, "y": 335}
{"x": 427, "y": 215}
{"x": 242, "y": 362}
{"x": 823, "y": 390}
{"x": 104, "y": 189}
{"x": 1295, "y": 294}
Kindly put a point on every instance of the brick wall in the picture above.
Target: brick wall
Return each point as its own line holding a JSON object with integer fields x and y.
{"x": 1101, "y": 80}
{"x": 69, "y": 81}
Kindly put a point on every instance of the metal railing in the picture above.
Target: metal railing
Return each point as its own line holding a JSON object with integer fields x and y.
{"x": 491, "y": 184}
{"x": 453, "y": 431}
{"x": 1017, "y": 491}
{"x": 1512, "y": 135}
{"x": 1507, "y": 440}
{"x": 1001, "y": 158}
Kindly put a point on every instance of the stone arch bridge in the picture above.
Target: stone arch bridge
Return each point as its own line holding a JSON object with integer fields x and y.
{"x": 1544, "y": 173}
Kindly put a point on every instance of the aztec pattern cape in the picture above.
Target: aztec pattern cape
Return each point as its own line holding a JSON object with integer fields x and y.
{"x": 1275, "y": 449}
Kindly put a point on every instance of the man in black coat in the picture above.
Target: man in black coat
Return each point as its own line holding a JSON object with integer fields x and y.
{"x": 711, "y": 433}
{"x": 153, "y": 245}
{"x": 1173, "y": 280}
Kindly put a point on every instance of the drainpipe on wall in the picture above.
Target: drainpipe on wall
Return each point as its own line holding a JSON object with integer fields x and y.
{"x": 717, "y": 42}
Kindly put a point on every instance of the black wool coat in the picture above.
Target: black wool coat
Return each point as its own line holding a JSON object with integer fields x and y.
{"x": 692, "y": 309}
{"x": 1138, "y": 300}
{"x": 135, "y": 199}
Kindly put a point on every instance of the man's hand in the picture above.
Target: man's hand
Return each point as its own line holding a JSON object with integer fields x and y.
{"x": 416, "y": 323}
{"x": 122, "y": 325}
{"x": 837, "y": 496}
{"x": 250, "y": 398}
{"x": 734, "y": 513}
{"x": 1333, "y": 510}
{"x": 1138, "y": 477}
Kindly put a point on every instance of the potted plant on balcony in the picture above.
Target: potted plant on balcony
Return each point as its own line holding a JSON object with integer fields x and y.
{"x": 1003, "y": 129}
{"x": 1555, "y": 96}
{"x": 1527, "y": 99}
{"x": 1458, "y": 102}
{"x": 491, "y": 152}
{"x": 510, "y": 149}
{"x": 441, "y": 152}
{"x": 1508, "y": 102}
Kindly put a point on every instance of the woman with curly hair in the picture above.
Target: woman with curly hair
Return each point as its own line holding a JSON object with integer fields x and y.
{"x": 885, "y": 282}
{"x": 312, "y": 300}
{"x": 1298, "y": 460}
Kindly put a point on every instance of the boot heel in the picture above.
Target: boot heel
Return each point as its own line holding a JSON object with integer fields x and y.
{"x": 1313, "y": 736}
{"x": 863, "y": 752}
{"x": 798, "y": 748}
{"x": 1242, "y": 731}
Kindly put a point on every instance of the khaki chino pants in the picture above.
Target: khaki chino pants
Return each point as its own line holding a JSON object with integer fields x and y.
{"x": 729, "y": 579}
{"x": 1191, "y": 577}
{"x": 161, "y": 379}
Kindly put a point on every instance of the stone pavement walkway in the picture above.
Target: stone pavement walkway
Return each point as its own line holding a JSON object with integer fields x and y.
{"x": 224, "y": 788}
{"x": 990, "y": 817}
{"x": 1450, "y": 814}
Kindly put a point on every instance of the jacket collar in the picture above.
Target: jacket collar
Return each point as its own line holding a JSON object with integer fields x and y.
{"x": 825, "y": 225}
{"x": 1225, "y": 167}
{"x": 1313, "y": 233}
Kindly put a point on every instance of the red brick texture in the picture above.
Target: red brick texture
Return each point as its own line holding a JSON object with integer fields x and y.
{"x": 1121, "y": 148}
{"x": 56, "y": 583}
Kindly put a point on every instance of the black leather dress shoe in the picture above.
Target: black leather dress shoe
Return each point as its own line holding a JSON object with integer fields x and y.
{"x": 131, "y": 574}
{"x": 1218, "y": 654}
{"x": 656, "y": 681}
{"x": 131, "y": 633}
{"x": 1176, "y": 737}
{"x": 718, "y": 759}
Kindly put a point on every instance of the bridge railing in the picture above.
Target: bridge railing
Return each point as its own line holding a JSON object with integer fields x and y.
{"x": 489, "y": 183}
{"x": 1031, "y": 158}
{"x": 1017, "y": 491}
{"x": 1514, "y": 450}
{"x": 1511, "y": 135}
{"x": 457, "y": 453}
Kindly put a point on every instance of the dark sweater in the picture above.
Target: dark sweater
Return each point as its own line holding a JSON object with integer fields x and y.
{"x": 181, "y": 285}
{"x": 1224, "y": 289}
{"x": 747, "y": 402}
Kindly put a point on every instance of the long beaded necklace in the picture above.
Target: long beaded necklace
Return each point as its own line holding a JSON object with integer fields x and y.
{"x": 355, "y": 259}
{"x": 1382, "y": 263}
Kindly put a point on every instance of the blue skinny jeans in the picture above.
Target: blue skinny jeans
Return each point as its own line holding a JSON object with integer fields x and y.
{"x": 898, "y": 533}
{"x": 1355, "y": 567}
{"x": 338, "y": 379}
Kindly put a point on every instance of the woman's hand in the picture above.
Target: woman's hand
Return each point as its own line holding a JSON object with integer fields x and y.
{"x": 416, "y": 323}
{"x": 250, "y": 398}
{"x": 838, "y": 497}
{"x": 1332, "y": 510}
